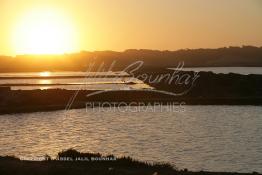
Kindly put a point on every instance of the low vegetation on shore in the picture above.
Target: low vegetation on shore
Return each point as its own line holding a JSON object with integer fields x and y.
{"x": 72, "y": 162}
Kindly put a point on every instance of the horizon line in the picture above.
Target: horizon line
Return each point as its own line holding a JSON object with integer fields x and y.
{"x": 122, "y": 51}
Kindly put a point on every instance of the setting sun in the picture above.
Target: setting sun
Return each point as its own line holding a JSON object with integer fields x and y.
{"x": 44, "y": 31}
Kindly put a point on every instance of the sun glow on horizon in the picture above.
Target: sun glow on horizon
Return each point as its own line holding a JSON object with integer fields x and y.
{"x": 49, "y": 27}
{"x": 44, "y": 31}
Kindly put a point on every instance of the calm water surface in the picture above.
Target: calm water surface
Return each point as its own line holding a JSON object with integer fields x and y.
{"x": 214, "y": 138}
{"x": 77, "y": 80}
{"x": 70, "y": 81}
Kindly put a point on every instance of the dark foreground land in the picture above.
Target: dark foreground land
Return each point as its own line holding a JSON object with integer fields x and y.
{"x": 72, "y": 162}
{"x": 187, "y": 88}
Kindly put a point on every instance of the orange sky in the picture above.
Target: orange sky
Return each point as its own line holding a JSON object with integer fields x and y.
{"x": 76, "y": 25}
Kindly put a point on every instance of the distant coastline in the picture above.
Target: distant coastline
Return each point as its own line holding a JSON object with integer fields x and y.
{"x": 245, "y": 56}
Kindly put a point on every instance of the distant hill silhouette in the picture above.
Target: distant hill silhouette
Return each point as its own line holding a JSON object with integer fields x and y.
{"x": 221, "y": 57}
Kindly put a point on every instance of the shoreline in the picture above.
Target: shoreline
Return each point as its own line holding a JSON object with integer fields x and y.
{"x": 18, "y": 101}
{"x": 73, "y": 162}
{"x": 189, "y": 88}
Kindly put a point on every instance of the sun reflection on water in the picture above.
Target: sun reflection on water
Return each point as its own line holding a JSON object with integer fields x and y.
{"x": 46, "y": 81}
{"x": 45, "y": 74}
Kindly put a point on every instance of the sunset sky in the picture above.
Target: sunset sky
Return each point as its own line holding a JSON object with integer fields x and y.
{"x": 48, "y": 26}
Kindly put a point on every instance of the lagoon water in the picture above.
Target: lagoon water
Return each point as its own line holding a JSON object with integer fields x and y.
{"x": 92, "y": 81}
{"x": 214, "y": 138}
{"x": 70, "y": 81}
